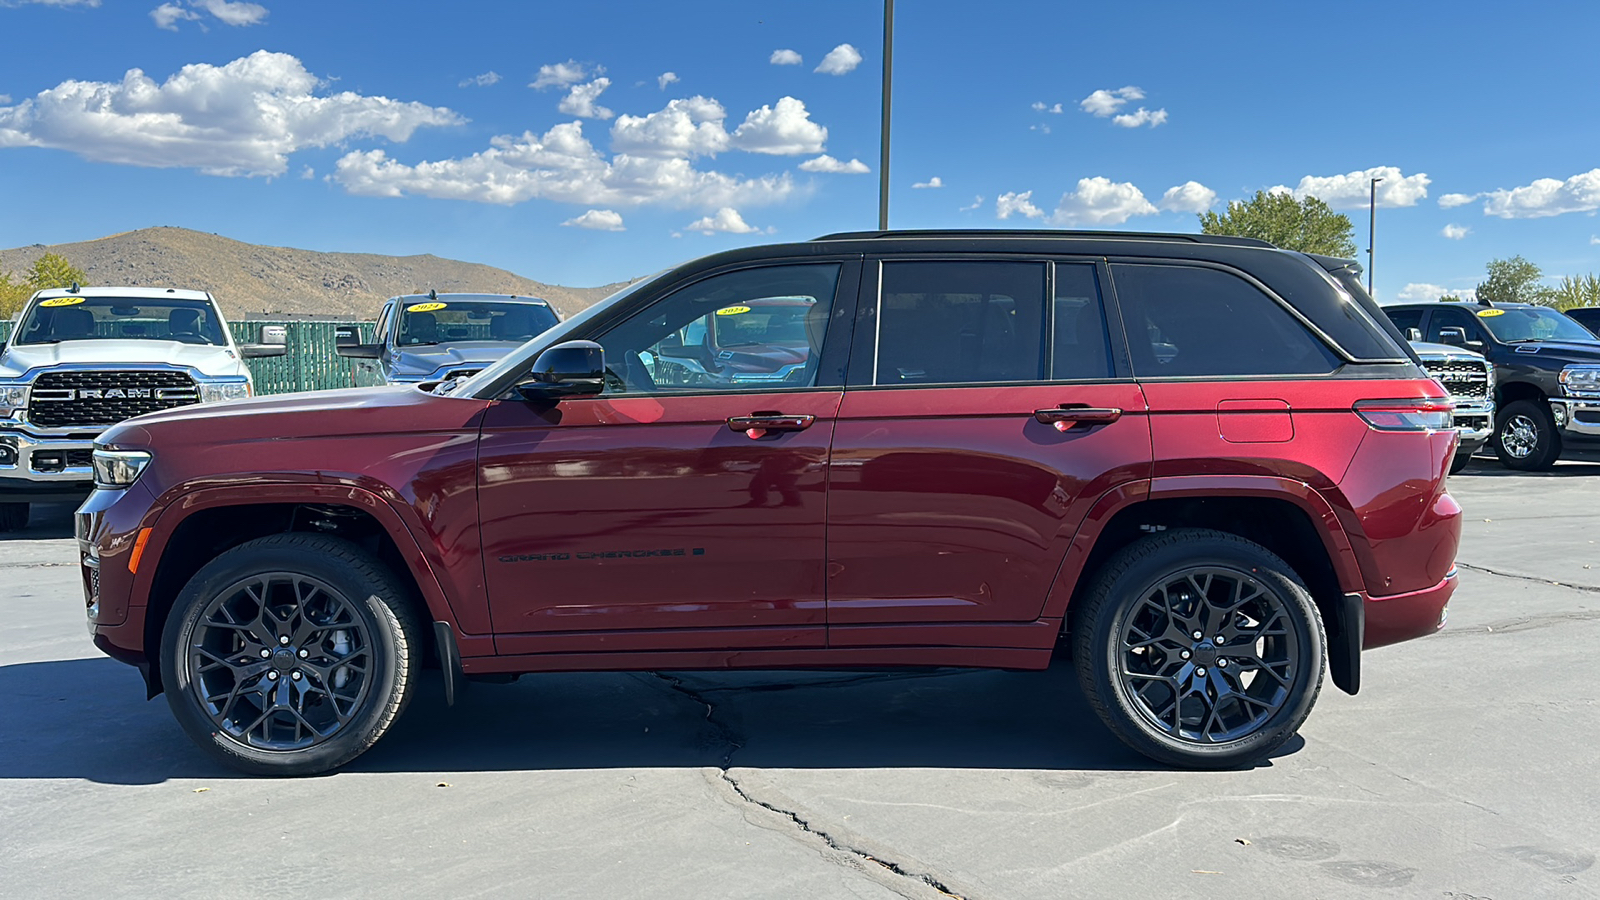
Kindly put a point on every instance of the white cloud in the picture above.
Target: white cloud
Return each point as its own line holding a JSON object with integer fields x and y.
{"x": 666, "y": 78}
{"x": 841, "y": 60}
{"x": 1423, "y": 291}
{"x": 236, "y": 14}
{"x": 483, "y": 80}
{"x": 1041, "y": 106}
{"x": 1191, "y": 196}
{"x": 934, "y": 182}
{"x": 167, "y": 15}
{"x": 977, "y": 201}
{"x": 5, "y": 99}
{"x": 308, "y": 174}
{"x": 1352, "y": 190}
{"x": 1103, "y": 103}
{"x": 685, "y": 128}
{"x": 561, "y": 74}
{"x": 1546, "y": 197}
{"x": 726, "y": 220}
{"x": 784, "y": 129}
{"x": 1043, "y": 128}
{"x": 597, "y": 220}
{"x": 560, "y": 165}
{"x": 1594, "y": 240}
{"x": 1101, "y": 201}
{"x": 580, "y": 100}
{"x": 1456, "y": 232}
{"x": 784, "y": 58}
{"x": 1142, "y": 117}
{"x": 826, "y": 163}
{"x": 1012, "y": 203}
{"x": 242, "y": 118}
{"x": 1451, "y": 201}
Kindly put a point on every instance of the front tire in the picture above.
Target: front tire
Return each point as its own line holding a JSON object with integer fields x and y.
{"x": 13, "y": 516}
{"x": 1460, "y": 462}
{"x": 290, "y": 654}
{"x": 1200, "y": 649}
{"x": 1525, "y": 436}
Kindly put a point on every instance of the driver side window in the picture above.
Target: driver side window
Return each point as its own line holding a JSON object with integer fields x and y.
{"x": 748, "y": 330}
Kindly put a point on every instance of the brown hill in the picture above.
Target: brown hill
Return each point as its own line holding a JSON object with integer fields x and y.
{"x": 248, "y": 279}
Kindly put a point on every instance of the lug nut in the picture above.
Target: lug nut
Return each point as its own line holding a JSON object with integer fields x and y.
{"x": 304, "y": 653}
{"x": 284, "y": 639}
{"x": 295, "y": 676}
{"x": 1200, "y": 671}
{"x": 266, "y": 654}
{"x": 272, "y": 676}
{"x": 1221, "y": 639}
{"x": 1222, "y": 664}
{"x": 1197, "y": 635}
{"x": 1183, "y": 655}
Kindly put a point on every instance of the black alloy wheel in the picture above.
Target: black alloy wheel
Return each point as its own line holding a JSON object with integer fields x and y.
{"x": 1525, "y": 436}
{"x": 1200, "y": 649}
{"x": 290, "y": 654}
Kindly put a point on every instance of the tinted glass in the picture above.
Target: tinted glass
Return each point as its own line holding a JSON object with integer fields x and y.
{"x": 1589, "y": 318}
{"x": 1405, "y": 318}
{"x": 750, "y": 330}
{"x": 443, "y": 321}
{"x": 110, "y": 318}
{"x": 1532, "y": 324}
{"x": 960, "y": 323}
{"x": 1448, "y": 317}
{"x": 1079, "y": 348}
{"x": 1187, "y": 321}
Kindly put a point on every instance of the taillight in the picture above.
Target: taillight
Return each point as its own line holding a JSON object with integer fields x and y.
{"x": 1424, "y": 414}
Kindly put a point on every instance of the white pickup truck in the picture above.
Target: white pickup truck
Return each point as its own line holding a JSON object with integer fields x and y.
{"x": 80, "y": 360}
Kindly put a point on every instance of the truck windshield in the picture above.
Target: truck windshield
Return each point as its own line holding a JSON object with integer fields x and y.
{"x": 58, "y": 319}
{"x": 443, "y": 321}
{"x": 1512, "y": 325}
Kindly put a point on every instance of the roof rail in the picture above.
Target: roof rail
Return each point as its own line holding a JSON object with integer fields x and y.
{"x": 1047, "y": 233}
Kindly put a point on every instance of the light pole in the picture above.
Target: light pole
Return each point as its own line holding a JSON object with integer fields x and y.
{"x": 883, "y": 155}
{"x": 1372, "y": 228}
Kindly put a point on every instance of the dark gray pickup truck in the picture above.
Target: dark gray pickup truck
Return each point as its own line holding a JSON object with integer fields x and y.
{"x": 438, "y": 337}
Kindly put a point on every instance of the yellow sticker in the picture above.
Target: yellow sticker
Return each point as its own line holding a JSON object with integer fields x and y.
{"x": 425, "y": 307}
{"x": 1490, "y": 313}
{"x": 732, "y": 310}
{"x": 61, "y": 301}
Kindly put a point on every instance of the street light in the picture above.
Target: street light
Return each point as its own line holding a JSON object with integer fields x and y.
{"x": 883, "y": 155}
{"x": 1372, "y": 228}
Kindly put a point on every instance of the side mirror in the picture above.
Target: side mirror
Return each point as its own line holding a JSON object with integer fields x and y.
{"x": 1455, "y": 337}
{"x": 274, "y": 342}
{"x": 1413, "y": 334}
{"x": 570, "y": 369}
{"x": 347, "y": 343}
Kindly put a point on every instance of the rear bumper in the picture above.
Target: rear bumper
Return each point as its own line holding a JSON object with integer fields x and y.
{"x": 1401, "y": 617}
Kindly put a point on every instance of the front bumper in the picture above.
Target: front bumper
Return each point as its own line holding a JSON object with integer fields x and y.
{"x": 1474, "y": 423}
{"x": 1401, "y": 617}
{"x": 45, "y": 468}
{"x": 1577, "y": 417}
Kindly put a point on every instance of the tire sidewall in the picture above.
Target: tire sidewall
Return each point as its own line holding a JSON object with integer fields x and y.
{"x": 1145, "y": 575}
{"x": 390, "y": 656}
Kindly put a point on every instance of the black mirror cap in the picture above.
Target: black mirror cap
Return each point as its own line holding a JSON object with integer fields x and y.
{"x": 570, "y": 369}
{"x": 347, "y": 336}
{"x": 359, "y": 351}
{"x": 1454, "y": 336}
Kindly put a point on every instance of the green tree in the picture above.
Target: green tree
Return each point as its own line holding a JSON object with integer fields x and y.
{"x": 1514, "y": 280}
{"x": 1576, "y": 291}
{"x": 52, "y": 270}
{"x": 12, "y": 294}
{"x": 1306, "y": 225}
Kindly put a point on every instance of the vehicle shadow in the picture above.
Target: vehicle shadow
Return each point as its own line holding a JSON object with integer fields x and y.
{"x": 87, "y": 719}
{"x": 46, "y": 521}
{"x": 1587, "y": 465}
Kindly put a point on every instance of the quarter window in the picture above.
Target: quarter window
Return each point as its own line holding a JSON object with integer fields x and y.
{"x": 1188, "y": 321}
{"x": 1080, "y": 349}
{"x": 960, "y": 323}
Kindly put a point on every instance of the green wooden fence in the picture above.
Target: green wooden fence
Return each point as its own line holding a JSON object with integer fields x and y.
{"x": 310, "y": 365}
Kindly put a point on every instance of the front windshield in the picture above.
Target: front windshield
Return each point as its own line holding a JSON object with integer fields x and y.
{"x": 1532, "y": 324}
{"x": 60, "y": 319}
{"x": 777, "y": 321}
{"x": 443, "y": 321}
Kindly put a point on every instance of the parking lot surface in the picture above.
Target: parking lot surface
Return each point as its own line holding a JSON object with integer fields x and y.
{"x": 1464, "y": 769}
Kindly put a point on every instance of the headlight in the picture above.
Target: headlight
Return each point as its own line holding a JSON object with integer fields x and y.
{"x": 118, "y": 468}
{"x": 1581, "y": 379}
{"x": 211, "y": 392}
{"x": 12, "y": 398}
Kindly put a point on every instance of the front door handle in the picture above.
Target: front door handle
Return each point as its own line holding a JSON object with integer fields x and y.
{"x": 757, "y": 425}
{"x": 1065, "y": 418}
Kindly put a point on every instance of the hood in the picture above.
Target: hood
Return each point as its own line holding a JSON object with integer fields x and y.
{"x": 350, "y": 412}
{"x": 426, "y": 359}
{"x": 210, "y": 359}
{"x": 1560, "y": 350}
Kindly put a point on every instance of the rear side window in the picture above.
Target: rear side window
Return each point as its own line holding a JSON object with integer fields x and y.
{"x": 960, "y": 323}
{"x": 1405, "y": 319}
{"x": 1188, "y": 321}
{"x": 1079, "y": 346}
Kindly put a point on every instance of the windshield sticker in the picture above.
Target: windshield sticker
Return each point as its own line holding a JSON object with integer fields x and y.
{"x": 733, "y": 310}
{"x": 61, "y": 301}
{"x": 1490, "y": 313}
{"x": 425, "y": 307}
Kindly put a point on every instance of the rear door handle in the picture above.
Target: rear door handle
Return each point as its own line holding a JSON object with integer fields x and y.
{"x": 1065, "y": 418}
{"x": 758, "y": 424}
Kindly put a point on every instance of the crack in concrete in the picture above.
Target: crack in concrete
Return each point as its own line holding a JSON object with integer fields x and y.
{"x": 734, "y": 743}
{"x": 1488, "y": 571}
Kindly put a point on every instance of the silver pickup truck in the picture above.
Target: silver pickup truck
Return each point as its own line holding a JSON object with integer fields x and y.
{"x": 82, "y": 359}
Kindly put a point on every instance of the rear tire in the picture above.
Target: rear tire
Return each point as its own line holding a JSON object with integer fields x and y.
{"x": 13, "y": 516}
{"x": 290, "y": 654}
{"x": 1525, "y": 436}
{"x": 1226, "y": 698}
{"x": 1459, "y": 463}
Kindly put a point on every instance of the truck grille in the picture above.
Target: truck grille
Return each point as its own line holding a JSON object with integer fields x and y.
{"x": 1465, "y": 379}
{"x": 72, "y": 399}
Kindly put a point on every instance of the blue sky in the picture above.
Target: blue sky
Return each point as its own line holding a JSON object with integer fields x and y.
{"x": 549, "y": 138}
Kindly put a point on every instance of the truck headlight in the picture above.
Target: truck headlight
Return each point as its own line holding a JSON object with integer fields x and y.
{"x": 118, "y": 468}
{"x": 12, "y": 398}
{"x": 1581, "y": 380}
{"x": 213, "y": 391}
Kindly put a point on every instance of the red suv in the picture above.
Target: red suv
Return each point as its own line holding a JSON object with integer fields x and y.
{"x": 1197, "y": 464}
